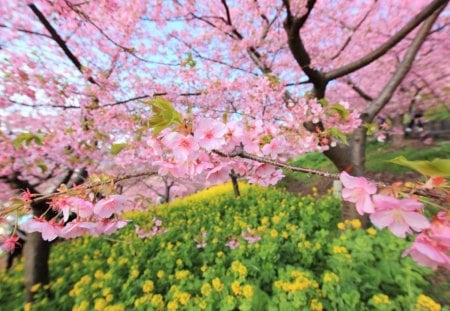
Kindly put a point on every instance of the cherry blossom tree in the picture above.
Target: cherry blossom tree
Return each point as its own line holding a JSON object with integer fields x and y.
{"x": 200, "y": 90}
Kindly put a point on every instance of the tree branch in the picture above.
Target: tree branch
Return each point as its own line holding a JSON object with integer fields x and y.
{"x": 382, "y": 49}
{"x": 402, "y": 68}
{"x": 57, "y": 38}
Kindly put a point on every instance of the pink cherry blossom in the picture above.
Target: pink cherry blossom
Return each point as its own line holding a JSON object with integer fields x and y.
{"x": 233, "y": 243}
{"x": 398, "y": 215}
{"x": 106, "y": 207}
{"x": 210, "y": 134}
{"x": 49, "y": 230}
{"x": 250, "y": 236}
{"x": 81, "y": 207}
{"x": 358, "y": 190}
{"x": 183, "y": 146}
{"x": 109, "y": 226}
{"x": 9, "y": 243}
{"x": 77, "y": 228}
{"x": 428, "y": 252}
{"x": 275, "y": 147}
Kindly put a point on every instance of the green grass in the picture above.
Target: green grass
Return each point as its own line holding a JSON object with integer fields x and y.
{"x": 377, "y": 157}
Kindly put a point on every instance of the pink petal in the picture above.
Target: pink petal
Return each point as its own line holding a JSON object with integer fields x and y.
{"x": 417, "y": 221}
{"x": 399, "y": 229}
{"x": 382, "y": 219}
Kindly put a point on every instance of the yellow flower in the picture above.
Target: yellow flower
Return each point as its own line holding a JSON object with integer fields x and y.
{"x": 265, "y": 221}
{"x": 202, "y": 305}
{"x": 239, "y": 268}
{"x": 204, "y": 268}
{"x": 276, "y": 219}
{"x": 330, "y": 277}
{"x": 316, "y": 305}
{"x": 158, "y": 301}
{"x": 100, "y": 304}
{"x": 356, "y": 223}
{"x": 381, "y": 299}
{"x": 106, "y": 291}
{"x": 27, "y": 306}
{"x": 134, "y": 273}
{"x": 206, "y": 289}
{"x": 179, "y": 262}
{"x": 284, "y": 235}
{"x": 148, "y": 286}
{"x": 109, "y": 298}
{"x": 160, "y": 274}
{"x": 340, "y": 250}
{"x": 372, "y": 231}
{"x": 247, "y": 291}
{"x": 182, "y": 274}
{"x": 184, "y": 298}
{"x": 83, "y": 306}
{"x": 35, "y": 287}
{"x": 123, "y": 261}
{"x": 217, "y": 284}
{"x": 426, "y": 303}
{"x": 236, "y": 288}
{"x": 219, "y": 254}
{"x": 341, "y": 226}
{"x": 273, "y": 233}
{"x": 172, "y": 306}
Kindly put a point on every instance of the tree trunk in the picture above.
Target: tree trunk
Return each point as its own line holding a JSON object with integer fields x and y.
{"x": 36, "y": 252}
{"x": 234, "y": 182}
{"x": 351, "y": 158}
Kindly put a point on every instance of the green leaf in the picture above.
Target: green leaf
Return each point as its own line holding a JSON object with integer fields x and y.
{"x": 323, "y": 102}
{"x": 27, "y": 138}
{"x": 164, "y": 114}
{"x": 340, "y": 110}
{"x": 371, "y": 128}
{"x": 338, "y": 134}
{"x": 437, "y": 167}
{"x": 117, "y": 148}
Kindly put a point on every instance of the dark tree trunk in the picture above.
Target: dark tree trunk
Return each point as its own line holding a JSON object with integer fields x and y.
{"x": 234, "y": 182}
{"x": 36, "y": 252}
{"x": 351, "y": 158}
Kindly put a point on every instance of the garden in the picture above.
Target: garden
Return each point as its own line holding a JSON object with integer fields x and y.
{"x": 267, "y": 250}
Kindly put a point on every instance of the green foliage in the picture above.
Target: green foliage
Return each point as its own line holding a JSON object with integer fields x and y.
{"x": 338, "y": 134}
{"x": 340, "y": 110}
{"x": 437, "y": 167}
{"x": 164, "y": 114}
{"x": 117, "y": 148}
{"x": 27, "y": 138}
{"x": 302, "y": 261}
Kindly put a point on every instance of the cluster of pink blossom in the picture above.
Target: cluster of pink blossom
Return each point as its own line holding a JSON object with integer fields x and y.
{"x": 402, "y": 216}
{"x": 103, "y": 217}
{"x": 9, "y": 243}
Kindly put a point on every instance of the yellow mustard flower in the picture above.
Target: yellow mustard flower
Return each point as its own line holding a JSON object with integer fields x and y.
{"x": 160, "y": 274}
{"x": 236, "y": 288}
{"x": 217, "y": 284}
{"x": 372, "y": 231}
{"x": 381, "y": 299}
{"x": 341, "y": 226}
{"x": 148, "y": 286}
{"x": 426, "y": 303}
{"x": 247, "y": 291}
{"x": 316, "y": 305}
